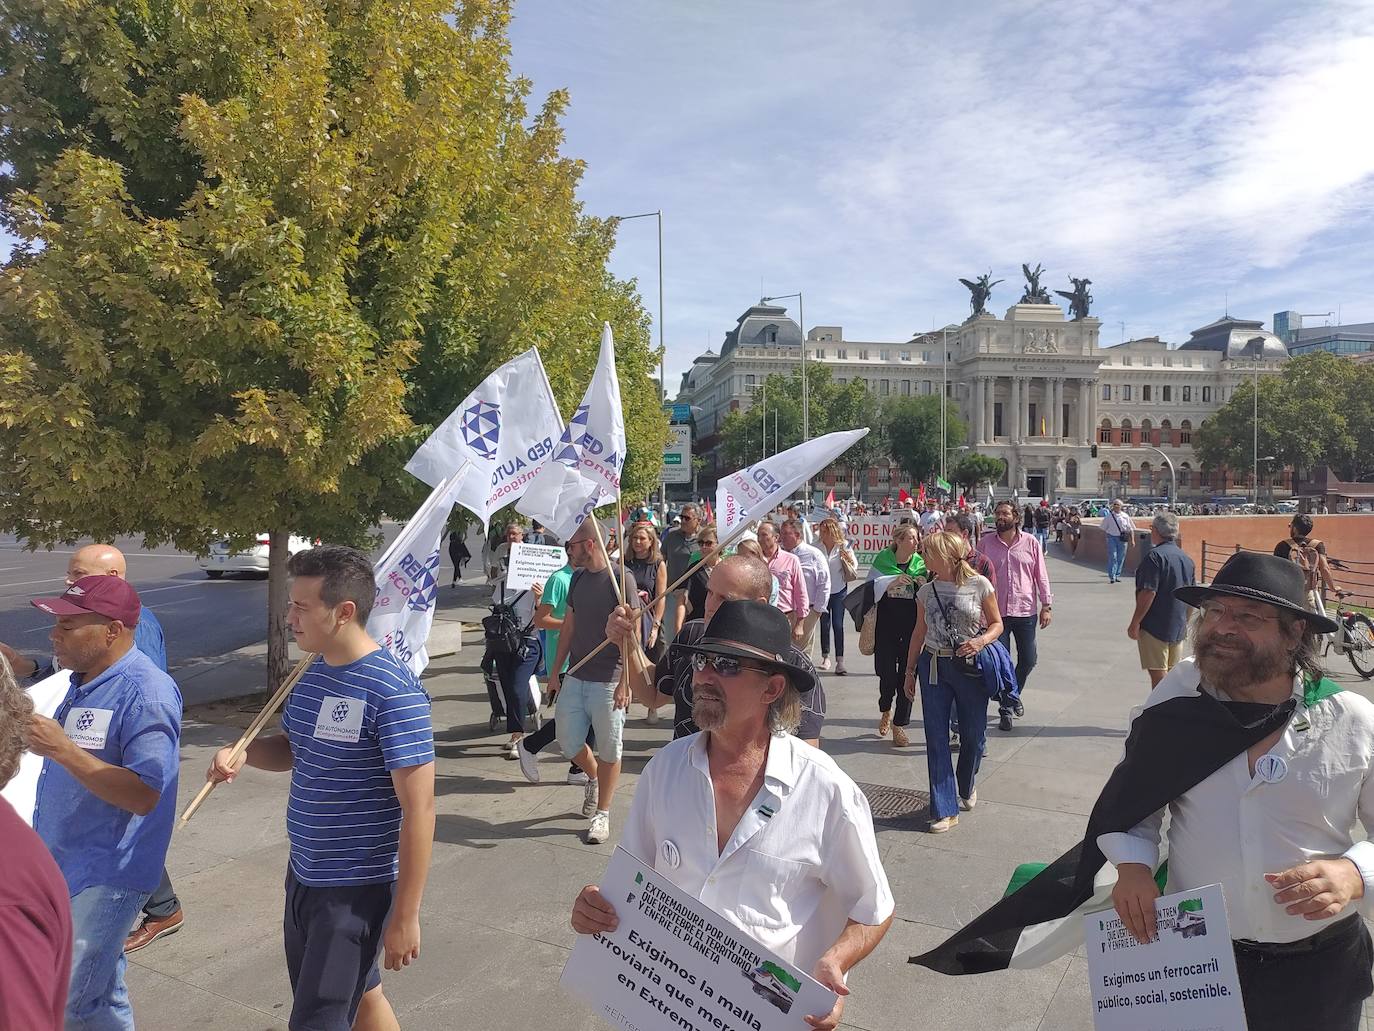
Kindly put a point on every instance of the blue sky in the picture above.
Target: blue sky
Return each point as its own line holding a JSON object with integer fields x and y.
{"x": 1185, "y": 156}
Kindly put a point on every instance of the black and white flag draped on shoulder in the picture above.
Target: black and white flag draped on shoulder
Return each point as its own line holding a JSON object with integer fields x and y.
{"x": 1172, "y": 746}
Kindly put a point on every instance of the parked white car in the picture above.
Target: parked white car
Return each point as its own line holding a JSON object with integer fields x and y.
{"x": 222, "y": 560}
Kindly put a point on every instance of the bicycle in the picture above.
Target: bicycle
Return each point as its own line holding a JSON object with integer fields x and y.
{"x": 1355, "y": 638}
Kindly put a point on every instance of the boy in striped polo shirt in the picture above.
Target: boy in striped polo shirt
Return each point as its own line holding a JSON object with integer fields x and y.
{"x": 360, "y": 748}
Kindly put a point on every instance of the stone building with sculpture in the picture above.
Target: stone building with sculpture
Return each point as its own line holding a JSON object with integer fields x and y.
{"x": 1035, "y": 387}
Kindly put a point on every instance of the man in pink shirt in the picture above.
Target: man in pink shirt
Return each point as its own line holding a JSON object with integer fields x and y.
{"x": 1023, "y": 595}
{"x": 786, "y": 567}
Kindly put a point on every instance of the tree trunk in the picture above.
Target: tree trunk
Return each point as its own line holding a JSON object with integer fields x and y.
{"x": 278, "y": 665}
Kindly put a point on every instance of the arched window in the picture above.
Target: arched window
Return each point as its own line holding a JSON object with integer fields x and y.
{"x": 1127, "y": 431}
{"x": 1147, "y": 474}
{"x": 1071, "y": 473}
{"x": 1166, "y": 433}
{"x": 1185, "y": 476}
{"x": 1185, "y": 432}
{"x": 1104, "y": 474}
{"x": 1147, "y": 435}
{"x": 1104, "y": 432}
{"x": 1125, "y": 474}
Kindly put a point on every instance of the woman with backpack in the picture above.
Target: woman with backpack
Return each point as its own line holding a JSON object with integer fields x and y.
{"x": 1310, "y": 555}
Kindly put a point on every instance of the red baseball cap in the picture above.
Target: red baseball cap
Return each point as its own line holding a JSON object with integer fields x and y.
{"x": 110, "y": 596}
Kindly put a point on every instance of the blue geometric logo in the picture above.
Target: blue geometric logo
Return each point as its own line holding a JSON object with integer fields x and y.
{"x": 426, "y": 587}
{"x": 86, "y": 720}
{"x": 340, "y": 712}
{"x": 567, "y": 451}
{"x": 481, "y": 426}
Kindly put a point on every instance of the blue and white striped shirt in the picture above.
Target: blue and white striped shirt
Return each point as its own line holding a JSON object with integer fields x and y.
{"x": 349, "y": 726}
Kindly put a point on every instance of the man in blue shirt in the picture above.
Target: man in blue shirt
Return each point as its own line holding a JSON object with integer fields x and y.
{"x": 1160, "y": 621}
{"x": 357, "y": 740}
{"x": 107, "y": 793}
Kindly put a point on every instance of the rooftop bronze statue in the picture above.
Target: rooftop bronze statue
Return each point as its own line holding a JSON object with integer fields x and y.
{"x": 1079, "y": 298}
{"x": 981, "y": 290}
{"x": 1035, "y": 293}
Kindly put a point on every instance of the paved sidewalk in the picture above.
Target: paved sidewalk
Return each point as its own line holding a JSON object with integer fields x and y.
{"x": 509, "y": 856}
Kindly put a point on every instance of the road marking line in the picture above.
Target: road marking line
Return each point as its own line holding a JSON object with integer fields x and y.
{"x": 26, "y": 583}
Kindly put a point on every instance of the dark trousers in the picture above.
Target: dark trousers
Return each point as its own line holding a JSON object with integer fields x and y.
{"x": 514, "y": 672}
{"x": 1332, "y": 967}
{"x": 889, "y": 662}
{"x": 1022, "y": 630}
{"x": 163, "y": 902}
{"x": 833, "y": 617}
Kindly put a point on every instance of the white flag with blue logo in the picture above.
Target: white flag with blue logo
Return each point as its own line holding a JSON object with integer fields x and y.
{"x": 584, "y": 469}
{"x": 749, "y": 494}
{"x": 407, "y": 588}
{"x": 503, "y": 429}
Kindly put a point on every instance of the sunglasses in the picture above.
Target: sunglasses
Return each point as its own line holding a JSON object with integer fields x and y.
{"x": 725, "y": 665}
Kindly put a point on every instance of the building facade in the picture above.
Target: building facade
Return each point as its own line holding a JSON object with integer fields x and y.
{"x": 1034, "y": 388}
{"x": 1352, "y": 339}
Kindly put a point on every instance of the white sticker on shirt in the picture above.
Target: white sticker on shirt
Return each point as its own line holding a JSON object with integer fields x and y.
{"x": 88, "y": 728}
{"x": 340, "y": 719}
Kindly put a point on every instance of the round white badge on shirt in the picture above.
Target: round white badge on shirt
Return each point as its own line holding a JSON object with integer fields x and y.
{"x": 1271, "y": 768}
{"x": 670, "y": 855}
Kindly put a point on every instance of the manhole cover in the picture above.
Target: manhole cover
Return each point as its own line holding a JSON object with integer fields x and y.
{"x": 896, "y": 805}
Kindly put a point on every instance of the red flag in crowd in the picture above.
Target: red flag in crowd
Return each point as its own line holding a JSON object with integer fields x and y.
{"x": 921, "y": 493}
{"x": 902, "y": 496}
{"x": 830, "y": 498}
{"x": 710, "y": 515}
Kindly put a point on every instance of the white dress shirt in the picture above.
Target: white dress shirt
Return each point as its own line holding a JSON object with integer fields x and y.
{"x": 802, "y": 861}
{"x": 815, "y": 574}
{"x": 1231, "y": 829}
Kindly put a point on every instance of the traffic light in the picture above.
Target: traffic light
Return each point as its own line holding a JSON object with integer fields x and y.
{"x": 1094, "y": 450}
{"x": 1164, "y": 490}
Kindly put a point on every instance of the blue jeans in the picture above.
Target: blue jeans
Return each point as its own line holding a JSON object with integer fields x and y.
{"x": 102, "y": 918}
{"x": 952, "y": 692}
{"x": 1043, "y": 536}
{"x": 1022, "y": 629}
{"x": 514, "y": 672}
{"x": 832, "y": 619}
{"x": 1116, "y": 556}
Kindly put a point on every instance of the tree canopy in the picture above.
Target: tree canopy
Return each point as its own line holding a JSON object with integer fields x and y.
{"x": 912, "y": 427}
{"x": 832, "y": 407}
{"x": 263, "y": 248}
{"x": 1318, "y": 411}
{"x": 973, "y": 470}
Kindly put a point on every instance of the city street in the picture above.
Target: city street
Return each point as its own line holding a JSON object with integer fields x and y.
{"x": 509, "y": 856}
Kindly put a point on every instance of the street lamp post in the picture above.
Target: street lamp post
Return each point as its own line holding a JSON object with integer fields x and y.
{"x": 1173, "y": 475}
{"x": 944, "y": 393}
{"x": 662, "y": 352}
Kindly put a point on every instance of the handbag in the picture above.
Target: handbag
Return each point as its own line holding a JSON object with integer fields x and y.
{"x": 868, "y": 633}
{"x": 502, "y": 629}
{"x": 848, "y": 565}
{"x": 965, "y": 664}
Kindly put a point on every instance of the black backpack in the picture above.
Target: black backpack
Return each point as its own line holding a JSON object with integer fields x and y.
{"x": 502, "y": 629}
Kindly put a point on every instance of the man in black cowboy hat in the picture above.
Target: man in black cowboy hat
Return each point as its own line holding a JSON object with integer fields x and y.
{"x": 754, "y": 822}
{"x": 1272, "y": 823}
{"x": 1263, "y": 766}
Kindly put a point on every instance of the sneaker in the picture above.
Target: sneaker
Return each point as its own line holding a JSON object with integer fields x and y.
{"x": 652, "y": 717}
{"x": 840, "y": 671}
{"x": 953, "y": 739}
{"x": 529, "y": 762}
{"x": 589, "y": 798}
{"x": 1017, "y": 709}
{"x": 577, "y": 777}
{"x": 940, "y": 826}
{"x": 899, "y": 737}
{"x": 512, "y": 749}
{"x": 967, "y": 804}
{"x": 885, "y": 724}
{"x": 824, "y": 667}
{"x": 1004, "y": 723}
{"x": 600, "y": 830}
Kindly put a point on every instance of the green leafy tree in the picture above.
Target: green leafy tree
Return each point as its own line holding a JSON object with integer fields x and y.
{"x": 1314, "y": 413}
{"x": 974, "y": 470}
{"x": 913, "y": 433}
{"x": 239, "y": 227}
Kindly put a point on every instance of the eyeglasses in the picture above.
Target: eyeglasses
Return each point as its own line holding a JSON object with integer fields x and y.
{"x": 1215, "y": 611}
{"x": 725, "y": 665}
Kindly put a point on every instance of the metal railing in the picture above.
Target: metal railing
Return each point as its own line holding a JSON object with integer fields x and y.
{"x": 1351, "y": 575}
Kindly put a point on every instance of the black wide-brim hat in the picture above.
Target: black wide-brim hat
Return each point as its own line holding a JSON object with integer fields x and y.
{"x": 1255, "y": 576}
{"x": 754, "y": 631}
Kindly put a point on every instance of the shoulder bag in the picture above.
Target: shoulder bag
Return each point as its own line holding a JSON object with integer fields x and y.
{"x": 965, "y": 664}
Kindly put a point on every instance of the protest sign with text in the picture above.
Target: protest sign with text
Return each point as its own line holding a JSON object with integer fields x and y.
{"x": 22, "y": 790}
{"x": 532, "y": 564}
{"x": 868, "y": 535}
{"x": 673, "y": 962}
{"x": 1184, "y": 980}
{"x": 505, "y": 429}
{"x": 752, "y": 493}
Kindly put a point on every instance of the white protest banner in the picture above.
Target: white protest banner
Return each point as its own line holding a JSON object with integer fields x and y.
{"x": 22, "y": 790}
{"x": 584, "y": 469}
{"x": 673, "y": 962}
{"x": 751, "y": 493}
{"x": 868, "y": 535}
{"x": 407, "y": 592}
{"x": 505, "y": 428}
{"x": 1182, "y": 981}
{"x": 532, "y": 564}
